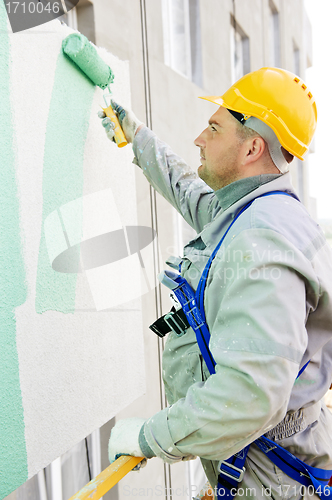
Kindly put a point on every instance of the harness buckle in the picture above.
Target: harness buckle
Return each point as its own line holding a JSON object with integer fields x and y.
{"x": 231, "y": 471}
{"x": 176, "y": 325}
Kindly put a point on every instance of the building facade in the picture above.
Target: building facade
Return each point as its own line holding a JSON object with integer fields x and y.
{"x": 177, "y": 50}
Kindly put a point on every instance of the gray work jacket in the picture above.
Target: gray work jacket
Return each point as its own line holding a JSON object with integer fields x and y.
{"x": 268, "y": 308}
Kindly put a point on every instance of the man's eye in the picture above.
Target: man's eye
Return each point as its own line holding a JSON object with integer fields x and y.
{"x": 213, "y": 128}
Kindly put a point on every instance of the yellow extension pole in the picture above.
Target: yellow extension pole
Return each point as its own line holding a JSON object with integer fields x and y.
{"x": 101, "y": 484}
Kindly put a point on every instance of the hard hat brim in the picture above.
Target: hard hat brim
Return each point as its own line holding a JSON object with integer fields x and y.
{"x": 214, "y": 98}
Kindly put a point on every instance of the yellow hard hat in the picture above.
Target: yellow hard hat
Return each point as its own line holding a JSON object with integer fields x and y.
{"x": 281, "y": 100}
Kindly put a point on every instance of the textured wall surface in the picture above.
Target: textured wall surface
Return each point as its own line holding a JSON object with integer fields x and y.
{"x": 68, "y": 339}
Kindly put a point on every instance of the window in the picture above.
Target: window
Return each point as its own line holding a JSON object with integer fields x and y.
{"x": 274, "y": 31}
{"x": 240, "y": 51}
{"x": 86, "y": 19}
{"x": 182, "y": 38}
{"x": 81, "y": 18}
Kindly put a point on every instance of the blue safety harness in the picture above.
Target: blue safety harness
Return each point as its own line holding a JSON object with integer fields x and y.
{"x": 231, "y": 472}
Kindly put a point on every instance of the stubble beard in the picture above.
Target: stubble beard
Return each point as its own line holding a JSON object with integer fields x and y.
{"x": 228, "y": 174}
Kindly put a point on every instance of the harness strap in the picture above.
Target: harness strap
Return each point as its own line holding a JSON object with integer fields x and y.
{"x": 295, "y": 468}
{"x": 231, "y": 472}
{"x": 202, "y": 282}
{"x": 186, "y": 296}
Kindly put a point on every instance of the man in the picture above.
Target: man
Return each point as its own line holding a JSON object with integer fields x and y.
{"x": 267, "y": 296}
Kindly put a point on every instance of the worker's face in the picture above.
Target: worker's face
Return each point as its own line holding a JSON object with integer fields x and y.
{"x": 220, "y": 148}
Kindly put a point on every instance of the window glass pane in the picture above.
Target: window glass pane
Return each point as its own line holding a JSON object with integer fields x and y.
{"x": 246, "y": 54}
{"x": 182, "y": 37}
{"x": 179, "y": 34}
{"x": 240, "y": 53}
{"x": 165, "y": 5}
{"x": 274, "y": 30}
{"x": 195, "y": 43}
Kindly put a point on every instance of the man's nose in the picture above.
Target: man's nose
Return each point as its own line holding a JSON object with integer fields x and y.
{"x": 199, "y": 141}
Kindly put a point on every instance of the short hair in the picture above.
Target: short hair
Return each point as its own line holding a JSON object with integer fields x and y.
{"x": 245, "y": 133}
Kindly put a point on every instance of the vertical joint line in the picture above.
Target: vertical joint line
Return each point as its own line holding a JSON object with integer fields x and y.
{"x": 234, "y": 15}
{"x": 146, "y": 72}
{"x": 88, "y": 458}
{"x": 153, "y": 204}
{"x": 235, "y": 26}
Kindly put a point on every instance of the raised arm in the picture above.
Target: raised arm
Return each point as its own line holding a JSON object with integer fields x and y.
{"x": 167, "y": 172}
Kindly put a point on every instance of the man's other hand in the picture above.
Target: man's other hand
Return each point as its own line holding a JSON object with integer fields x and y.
{"x": 124, "y": 440}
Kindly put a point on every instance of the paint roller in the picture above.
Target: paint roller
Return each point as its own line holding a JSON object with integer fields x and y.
{"x": 78, "y": 48}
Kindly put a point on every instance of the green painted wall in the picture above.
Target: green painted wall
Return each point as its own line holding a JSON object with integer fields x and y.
{"x": 63, "y": 173}
{"x": 70, "y": 107}
{"x": 13, "y": 290}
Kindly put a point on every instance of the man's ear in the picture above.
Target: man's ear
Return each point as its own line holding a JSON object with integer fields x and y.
{"x": 254, "y": 149}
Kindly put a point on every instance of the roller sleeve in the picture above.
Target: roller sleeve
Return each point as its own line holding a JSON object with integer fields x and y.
{"x": 78, "y": 48}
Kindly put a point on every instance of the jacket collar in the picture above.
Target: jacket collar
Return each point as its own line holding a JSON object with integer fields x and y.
{"x": 230, "y": 194}
{"x": 211, "y": 232}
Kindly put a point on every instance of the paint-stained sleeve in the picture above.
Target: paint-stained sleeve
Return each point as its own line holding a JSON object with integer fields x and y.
{"x": 174, "y": 180}
{"x": 258, "y": 339}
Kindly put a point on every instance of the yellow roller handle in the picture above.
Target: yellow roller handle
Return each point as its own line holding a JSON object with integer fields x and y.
{"x": 118, "y": 132}
{"x": 107, "y": 479}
